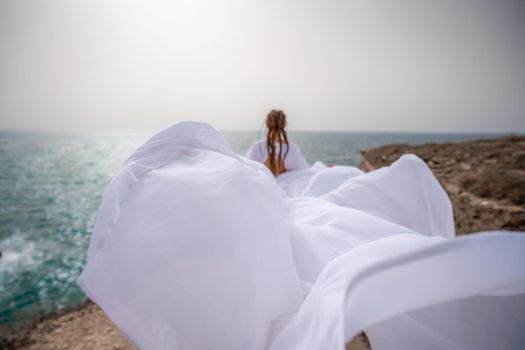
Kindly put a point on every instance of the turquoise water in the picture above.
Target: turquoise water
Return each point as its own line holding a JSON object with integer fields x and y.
{"x": 50, "y": 188}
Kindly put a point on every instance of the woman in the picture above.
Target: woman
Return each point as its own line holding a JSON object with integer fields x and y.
{"x": 286, "y": 162}
{"x": 196, "y": 247}
{"x": 276, "y": 152}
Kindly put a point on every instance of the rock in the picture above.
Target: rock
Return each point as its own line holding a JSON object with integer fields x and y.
{"x": 360, "y": 342}
{"x": 465, "y": 166}
{"x": 517, "y": 217}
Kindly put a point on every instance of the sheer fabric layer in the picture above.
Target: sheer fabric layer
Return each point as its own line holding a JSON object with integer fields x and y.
{"x": 196, "y": 247}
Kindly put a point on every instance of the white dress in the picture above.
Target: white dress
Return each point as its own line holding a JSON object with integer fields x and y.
{"x": 196, "y": 247}
{"x": 293, "y": 158}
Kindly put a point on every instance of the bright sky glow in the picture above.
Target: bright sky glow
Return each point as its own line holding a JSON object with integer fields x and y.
{"x": 404, "y": 65}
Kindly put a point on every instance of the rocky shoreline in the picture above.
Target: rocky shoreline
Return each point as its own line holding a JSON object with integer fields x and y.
{"x": 85, "y": 327}
{"x": 485, "y": 180}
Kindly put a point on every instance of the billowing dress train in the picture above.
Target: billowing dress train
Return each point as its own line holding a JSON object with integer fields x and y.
{"x": 197, "y": 247}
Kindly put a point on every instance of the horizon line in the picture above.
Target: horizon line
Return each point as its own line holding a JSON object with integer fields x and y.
{"x": 154, "y": 130}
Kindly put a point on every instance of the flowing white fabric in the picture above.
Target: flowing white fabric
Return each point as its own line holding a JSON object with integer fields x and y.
{"x": 196, "y": 247}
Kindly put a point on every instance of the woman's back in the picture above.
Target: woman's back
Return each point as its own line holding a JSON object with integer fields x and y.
{"x": 293, "y": 158}
{"x": 276, "y": 152}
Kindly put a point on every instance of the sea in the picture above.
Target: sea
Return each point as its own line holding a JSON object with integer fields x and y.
{"x": 51, "y": 185}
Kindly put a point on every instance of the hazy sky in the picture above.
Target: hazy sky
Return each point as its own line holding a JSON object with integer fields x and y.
{"x": 442, "y": 65}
